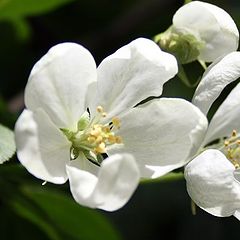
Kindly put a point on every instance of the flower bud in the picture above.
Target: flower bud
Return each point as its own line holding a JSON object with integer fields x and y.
{"x": 185, "y": 47}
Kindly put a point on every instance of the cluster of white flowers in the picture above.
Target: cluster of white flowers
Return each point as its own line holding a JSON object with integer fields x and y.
{"x": 213, "y": 175}
{"x": 86, "y": 124}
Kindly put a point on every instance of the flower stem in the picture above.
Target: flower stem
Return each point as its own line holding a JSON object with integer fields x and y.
{"x": 170, "y": 177}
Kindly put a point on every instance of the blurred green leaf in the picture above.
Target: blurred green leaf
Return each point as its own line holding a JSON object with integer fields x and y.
{"x": 66, "y": 215}
{"x": 27, "y": 211}
{"x": 15, "y": 12}
{"x": 20, "y": 8}
{"x": 7, "y": 144}
{"x": 14, "y": 227}
{"x": 22, "y": 28}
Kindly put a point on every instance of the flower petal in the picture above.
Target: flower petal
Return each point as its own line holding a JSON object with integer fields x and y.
{"x": 211, "y": 184}
{"x": 226, "y": 119}
{"x": 161, "y": 135}
{"x": 237, "y": 214}
{"x": 41, "y": 148}
{"x": 115, "y": 183}
{"x": 215, "y": 79}
{"x": 210, "y": 24}
{"x": 59, "y": 82}
{"x": 132, "y": 74}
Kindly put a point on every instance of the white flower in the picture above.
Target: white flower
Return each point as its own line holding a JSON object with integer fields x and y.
{"x": 210, "y": 25}
{"x": 78, "y": 115}
{"x": 213, "y": 179}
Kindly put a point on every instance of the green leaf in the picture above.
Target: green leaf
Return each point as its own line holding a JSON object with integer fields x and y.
{"x": 20, "y": 8}
{"x": 7, "y": 144}
{"x": 69, "y": 217}
{"x": 22, "y": 28}
{"x": 27, "y": 211}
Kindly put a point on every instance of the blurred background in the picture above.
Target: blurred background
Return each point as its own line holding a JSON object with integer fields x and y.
{"x": 28, "y": 210}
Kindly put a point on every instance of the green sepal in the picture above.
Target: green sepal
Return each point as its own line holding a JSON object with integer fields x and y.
{"x": 84, "y": 121}
{"x": 92, "y": 157}
{"x": 185, "y": 47}
{"x": 69, "y": 134}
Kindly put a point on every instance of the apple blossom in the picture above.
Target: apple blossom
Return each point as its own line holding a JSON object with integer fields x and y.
{"x": 85, "y": 124}
{"x": 212, "y": 177}
{"x": 201, "y": 31}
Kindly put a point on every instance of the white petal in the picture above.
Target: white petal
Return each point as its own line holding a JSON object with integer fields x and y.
{"x": 161, "y": 135}
{"x": 226, "y": 119}
{"x": 132, "y": 74}
{"x": 41, "y": 147}
{"x": 210, "y": 24}
{"x": 211, "y": 184}
{"x": 111, "y": 188}
{"x": 214, "y": 80}
{"x": 59, "y": 83}
{"x": 237, "y": 214}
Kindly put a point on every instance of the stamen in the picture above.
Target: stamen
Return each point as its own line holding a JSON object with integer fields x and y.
{"x": 100, "y": 109}
{"x": 116, "y": 122}
{"x": 226, "y": 143}
{"x": 91, "y": 139}
{"x": 99, "y": 139}
{"x": 95, "y": 131}
{"x": 232, "y": 149}
{"x": 112, "y": 139}
{"x": 118, "y": 139}
{"x": 234, "y": 133}
{"x": 101, "y": 148}
{"x": 92, "y": 136}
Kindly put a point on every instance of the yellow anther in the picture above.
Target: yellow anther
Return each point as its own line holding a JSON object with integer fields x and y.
{"x": 104, "y": 114}
{"x": 101, "y": 148}
{"x": 236, "y": 165}
{"x": 99, "y": 139}
{"x": 106, "y": 129}
{"x": 118, "y": 139}
{"x": 116, "y": 122}
{"x": 112, "y": 139}
{"x": 100, "y": 109}
{"x": 234, "y": 133}
{"x": 232, "y": 149}
{"x": 226, "y": 143}
{"x": 91, "y": 139}
{"x": 95, "y": 132}
{"x": 94, "y": 138}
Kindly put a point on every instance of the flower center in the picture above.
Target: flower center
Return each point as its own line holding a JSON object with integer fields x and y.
{"x": 92, "y": 137}
{"x": 232, "y": 149}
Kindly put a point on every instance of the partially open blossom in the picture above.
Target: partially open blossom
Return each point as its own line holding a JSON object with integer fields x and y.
{"x": 82, "y": 123}
{"x": 212, "y": 177}
{"x": 200, "y": 31}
